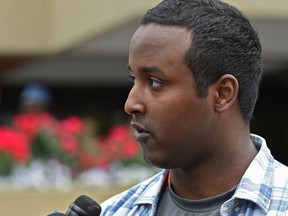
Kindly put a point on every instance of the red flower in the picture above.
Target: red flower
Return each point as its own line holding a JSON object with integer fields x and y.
{"x": 73, "y": 125}
{"x": 73, "y": 140}
{"x": 14, "y": 144}
{"x": 30, "y": 123}
{"x": 131, "y": 148}
{"x": 120, "y": 144}
{"x": 69, "y": 144}
{"x": 102, "y": 161}
{"x": 119, "y": 132}
{"x": 86, "y": 160}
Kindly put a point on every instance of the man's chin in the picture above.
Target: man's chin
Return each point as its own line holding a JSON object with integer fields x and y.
{"x": 157, "y": 162}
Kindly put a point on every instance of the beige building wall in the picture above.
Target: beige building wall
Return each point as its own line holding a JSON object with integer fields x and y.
{"x": 44, "y": 27}
{"x": 33, "y": 27}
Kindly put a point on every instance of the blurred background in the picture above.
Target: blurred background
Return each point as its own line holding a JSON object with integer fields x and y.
{"x": 63, "y": 84}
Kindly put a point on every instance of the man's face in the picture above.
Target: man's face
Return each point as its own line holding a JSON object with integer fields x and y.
{"x": 171, "y": 123}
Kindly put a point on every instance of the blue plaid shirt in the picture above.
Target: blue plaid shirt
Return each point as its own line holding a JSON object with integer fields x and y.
{"x": 262, "y": 191}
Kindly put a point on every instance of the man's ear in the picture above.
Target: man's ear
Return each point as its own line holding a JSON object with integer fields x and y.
{"x": 226, "y": 92}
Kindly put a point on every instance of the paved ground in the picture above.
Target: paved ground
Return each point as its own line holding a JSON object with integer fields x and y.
{"x": 42, "y": 203}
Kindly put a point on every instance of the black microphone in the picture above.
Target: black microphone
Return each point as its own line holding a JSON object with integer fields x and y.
{"x": 82, "y": 206}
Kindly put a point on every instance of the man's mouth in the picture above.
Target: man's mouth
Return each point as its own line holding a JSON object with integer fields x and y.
{"x": 141, "y": 133}
{"x": 138, "y": 127}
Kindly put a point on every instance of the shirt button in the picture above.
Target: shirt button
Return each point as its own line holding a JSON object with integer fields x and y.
{"x": 236, "y": 209}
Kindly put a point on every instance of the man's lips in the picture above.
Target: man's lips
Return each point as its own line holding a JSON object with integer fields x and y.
{"x": 138, "y": 127}
{"x": 141, "y": 133}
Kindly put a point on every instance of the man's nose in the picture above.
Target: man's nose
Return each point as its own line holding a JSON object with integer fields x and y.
{"x": 134, "y": 103}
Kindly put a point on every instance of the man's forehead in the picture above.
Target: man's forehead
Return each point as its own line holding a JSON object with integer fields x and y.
{"x": 162, "y": 31}
{"x": 159, "y": 35}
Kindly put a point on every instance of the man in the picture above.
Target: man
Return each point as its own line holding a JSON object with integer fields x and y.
{"x": 34, "y": 98}
{"x": 196, "y": 67}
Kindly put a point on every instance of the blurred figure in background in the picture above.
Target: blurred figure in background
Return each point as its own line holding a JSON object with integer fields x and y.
{"x": 34, "y": 98}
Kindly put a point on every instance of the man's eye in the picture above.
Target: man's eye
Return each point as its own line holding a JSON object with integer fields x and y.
{"x": 154, "y": 83}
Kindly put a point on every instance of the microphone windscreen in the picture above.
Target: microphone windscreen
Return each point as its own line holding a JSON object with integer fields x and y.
{"x": 89, "y": 205}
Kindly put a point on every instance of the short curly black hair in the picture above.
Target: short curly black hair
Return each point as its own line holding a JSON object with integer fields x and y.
{"x": 223, "y": 42}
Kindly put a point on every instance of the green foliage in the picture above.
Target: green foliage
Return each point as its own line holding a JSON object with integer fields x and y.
{"x": 6, "y": 164}
{"x": 45, "y": 146}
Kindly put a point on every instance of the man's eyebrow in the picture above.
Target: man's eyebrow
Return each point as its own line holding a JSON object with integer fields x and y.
{"x": 147, "y": 69}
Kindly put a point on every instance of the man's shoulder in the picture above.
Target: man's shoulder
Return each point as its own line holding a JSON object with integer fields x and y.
{"x": 280, "y": 175}
{"x": 279, "y": 193}
{"x": 145, "y": 191}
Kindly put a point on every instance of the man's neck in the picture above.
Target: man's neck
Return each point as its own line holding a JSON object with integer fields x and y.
{"x": 214, "y": 177}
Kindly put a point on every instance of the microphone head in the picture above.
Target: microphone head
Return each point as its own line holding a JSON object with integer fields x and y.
{"x": 88, "y": 205}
